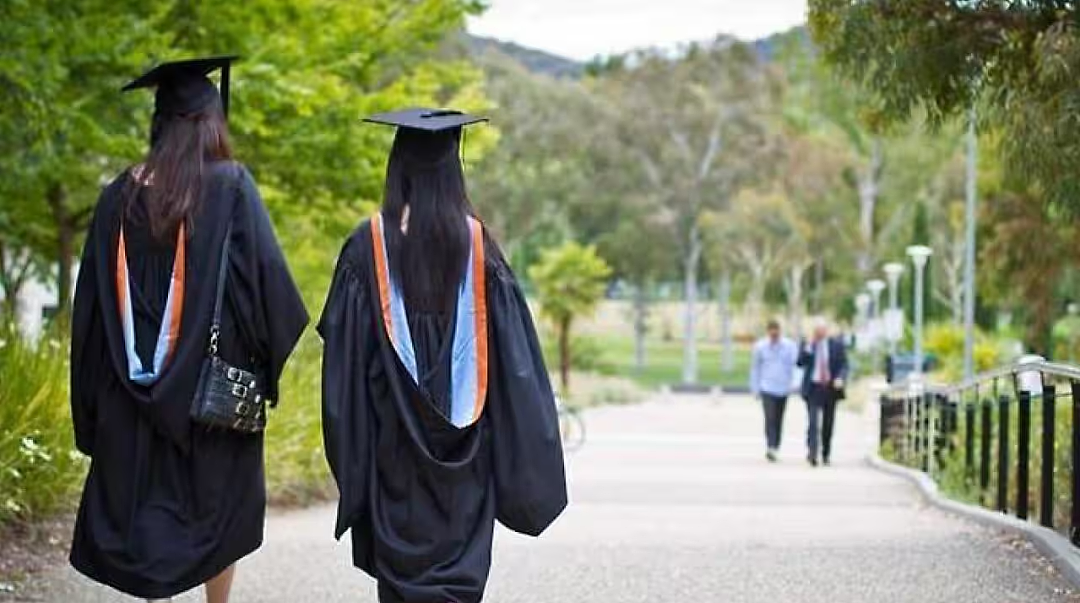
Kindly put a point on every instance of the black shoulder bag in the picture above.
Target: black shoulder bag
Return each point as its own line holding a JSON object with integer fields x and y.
{"x": 227, "y": 396}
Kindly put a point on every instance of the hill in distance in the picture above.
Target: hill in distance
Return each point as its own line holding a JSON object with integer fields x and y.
{"x": 553, "y": 65}
{"x": 535, "y": 61}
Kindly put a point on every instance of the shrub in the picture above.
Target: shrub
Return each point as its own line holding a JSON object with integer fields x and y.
{"x": 946, "y": 342}
{"x": 589, "y": 355}
{"x": 591, "y": 389}
{"x": 570, "y": 282}
{"x": 296, "y": 469}
{"x": 40, "y": 470}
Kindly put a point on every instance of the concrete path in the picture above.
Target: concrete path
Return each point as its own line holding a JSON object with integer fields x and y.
{"x": 673, "y": 501}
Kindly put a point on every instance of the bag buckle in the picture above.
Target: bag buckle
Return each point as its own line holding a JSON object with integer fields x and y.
{"x": 233, "y": 374}
{"x": 215, "y": 333}
{"x": 239, "y": 390}
{"x": 241, "y": 408}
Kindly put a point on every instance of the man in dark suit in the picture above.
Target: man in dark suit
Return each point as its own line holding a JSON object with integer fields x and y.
{"x": 825, "y": 369}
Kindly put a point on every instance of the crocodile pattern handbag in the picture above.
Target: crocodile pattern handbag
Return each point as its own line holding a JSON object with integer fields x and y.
{"x": 227, "y": 396}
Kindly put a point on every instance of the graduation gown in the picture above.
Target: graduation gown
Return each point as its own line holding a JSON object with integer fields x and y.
{"x": 167, "y": 503}
{"x": 420, "y": 495}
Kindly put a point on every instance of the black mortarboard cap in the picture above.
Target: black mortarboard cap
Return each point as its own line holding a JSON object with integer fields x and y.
{"x": 182, "y": 86}
{"x": 426, "y": 137}
{"x": 429, "y": 120}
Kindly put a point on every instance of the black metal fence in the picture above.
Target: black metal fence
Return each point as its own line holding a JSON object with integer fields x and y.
{"x": 1008, "y": 439}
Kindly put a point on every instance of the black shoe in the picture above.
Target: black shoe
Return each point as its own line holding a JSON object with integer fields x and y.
{"x": 771, "y": 455}
{"x": 826, "y": 461}
{"x": 812, "y": 461}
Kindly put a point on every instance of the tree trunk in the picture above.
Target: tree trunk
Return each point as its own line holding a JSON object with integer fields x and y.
{"x": 819, "y": 283}
{"x": 564, "y": 356}
{"x": 641, "y": 315}
{"x": 754, "y": 303}
{"x": 951, "y": 293}
{"x": 1039, "y": 304}
{"x": 11, "y": 294}
{"x": 727, "y": 358}
{"x": 793, "y": 286}
{"x": 693, "y": 257}
{"x": 65, "y": 246}
{"x": 14, "y": 270}
{"x": 957, "y": 303}
{"x": 868, "y": 194}
{"x": 956, "y": 284}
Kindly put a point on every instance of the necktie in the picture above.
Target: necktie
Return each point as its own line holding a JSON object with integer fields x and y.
{"x": 822, "y": 363}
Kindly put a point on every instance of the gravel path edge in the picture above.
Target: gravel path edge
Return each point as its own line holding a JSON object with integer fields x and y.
{"x": 1056, "y": 548}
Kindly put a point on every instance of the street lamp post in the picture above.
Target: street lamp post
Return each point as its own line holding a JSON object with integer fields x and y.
{"x": 875, "y": 287}
{"x": 969, "y": 249}
{"x": 919, "y": 255}
{"x": 875, "y": 328}
{"x": 893, "y": 272}
{"x": 863, "y": 308}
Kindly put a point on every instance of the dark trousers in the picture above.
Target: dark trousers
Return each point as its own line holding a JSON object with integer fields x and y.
{"x": 821, "y": 406}
{"x": 774, "y": 418}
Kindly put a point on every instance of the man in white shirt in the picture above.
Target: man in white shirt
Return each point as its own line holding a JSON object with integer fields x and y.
{"x": 772, "y": 369}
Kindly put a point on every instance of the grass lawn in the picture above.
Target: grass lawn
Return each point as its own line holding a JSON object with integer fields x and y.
{"x": 663, "y": 362}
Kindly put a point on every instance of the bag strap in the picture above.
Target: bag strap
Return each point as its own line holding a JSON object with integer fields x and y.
{"x": 223, "y": 271}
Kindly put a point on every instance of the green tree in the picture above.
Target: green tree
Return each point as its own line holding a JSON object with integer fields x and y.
{"x": 570, "y": 282}
{"x": 864, "y": 173}
{"x": 818, "y": 200}
{"x": 945, "y": 210}
{"x": 697, "y": 131}
{"x": 1029, "y": 249}
{"x": 639, "y": 264}
{"x": 65, "y": 123}
{"x": 559, "y": 171}
{"x": 753, "y": 235}
{"x": 309, "y": 70}
{"x": 527, "y": 187}
{"x": 1020, "y": 58}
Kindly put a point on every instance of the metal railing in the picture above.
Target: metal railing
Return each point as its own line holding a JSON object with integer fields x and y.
{"x": 964, "y": 436}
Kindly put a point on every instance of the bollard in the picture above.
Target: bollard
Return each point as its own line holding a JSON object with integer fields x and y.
{"x": 916, "y": 431}
{"x": 909, "y": 425}
{"x": 969, "y": 440}
{"x": 950, "y": 425}
{"x": 1046, "y": 490}
{"x": 1074, "y": 531}
{"x": 884, "y": 412}
{"x": 1003, "y": 455}
{"x": 1023, "y": 454}
{"x": 984, "y": 451}
{"x": 929, "y": 445}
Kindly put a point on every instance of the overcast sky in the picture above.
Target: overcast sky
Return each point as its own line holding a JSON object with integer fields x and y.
{"x": 582, "y": 29}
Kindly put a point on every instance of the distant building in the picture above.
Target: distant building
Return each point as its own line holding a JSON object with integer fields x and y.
{"x": 37, "y": 301}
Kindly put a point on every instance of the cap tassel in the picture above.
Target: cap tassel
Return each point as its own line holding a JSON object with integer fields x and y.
{"x": 225, "y": 90}
{"x": 464, "y": 141}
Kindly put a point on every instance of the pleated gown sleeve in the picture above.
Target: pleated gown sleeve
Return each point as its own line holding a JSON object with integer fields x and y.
{"x": 349, "y": 343}
{"x": 88, "y": 347}
{"x": 530, "y": 478}
{"x": 261, "y": 289}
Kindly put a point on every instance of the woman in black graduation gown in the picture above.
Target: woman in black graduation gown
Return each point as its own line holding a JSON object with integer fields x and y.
{"x": 169, "y": 504}
{"x": 438, "y": 417}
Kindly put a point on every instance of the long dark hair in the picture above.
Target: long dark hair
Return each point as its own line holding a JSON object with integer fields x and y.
{"x": 425, "y": 175}
{"x": 180, "y": 147}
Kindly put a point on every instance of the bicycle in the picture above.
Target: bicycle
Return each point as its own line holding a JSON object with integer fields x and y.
{"x": 571, "y": 426}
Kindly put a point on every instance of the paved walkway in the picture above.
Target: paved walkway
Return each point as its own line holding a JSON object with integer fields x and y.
{"x": 672, "y": 501}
